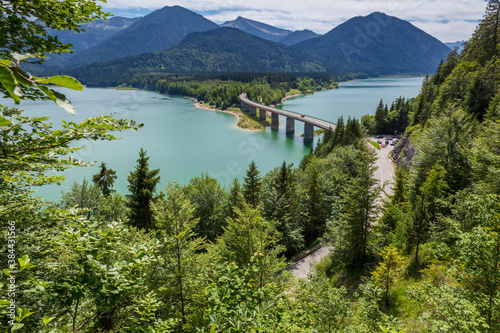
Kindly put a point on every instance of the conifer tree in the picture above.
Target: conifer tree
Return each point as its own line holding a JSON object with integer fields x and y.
{"x": 483, "y": 45}
{"x": 235, "y": 198}
{"x": 359, "y": 210}
{"x": 142, "y": 184}
{"x": 338, "y": 134}
{"x": 316, "y": 212}
{"x": 252, "y": 185}
{"x": 105, "y": 179}
{"x": 380, "y": 118}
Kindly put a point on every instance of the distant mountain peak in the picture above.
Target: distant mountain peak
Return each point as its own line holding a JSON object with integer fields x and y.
{"x": 298, "y": 36}
{"x": 156, "y": 31}
{"x": 257, "y": 28}
{"x": 377, "y": 43}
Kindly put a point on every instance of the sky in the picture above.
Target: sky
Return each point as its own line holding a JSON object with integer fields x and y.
{"x": 448, "y": 21}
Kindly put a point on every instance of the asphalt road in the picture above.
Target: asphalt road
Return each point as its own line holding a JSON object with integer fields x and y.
{"x": 385, "y": 171}
{"x": 385, "y": 174}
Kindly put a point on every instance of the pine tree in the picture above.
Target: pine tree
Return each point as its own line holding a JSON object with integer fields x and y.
{"x": 252, "y": 185}
{"x": 235, "y": 199}
{"x": 359, "y": 210}
{"x": 400, "y": 189}
{"x": 483, "y": 45}
{"x": 316, "y": 212}
{"x": 419, "y": 226}
{"x": 338, "y": 134}
{"x": 105, "y": 179}
{"x": 352, "y": 132}
{"x": 142, "y": 184}
{"x": 380, "y": 118}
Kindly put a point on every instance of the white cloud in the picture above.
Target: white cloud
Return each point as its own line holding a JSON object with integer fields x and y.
{"x": 446, "y": 20}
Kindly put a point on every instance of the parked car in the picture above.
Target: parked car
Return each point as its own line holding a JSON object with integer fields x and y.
{"x": 393, "y": 143}
{"x": 378, "y": 136}
{"x": 383, "y": 146}
{"x": 379, "y": 142}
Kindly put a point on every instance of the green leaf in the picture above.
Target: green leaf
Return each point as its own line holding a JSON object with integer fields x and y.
{"x": 6, "y": 62}
{"x": 4, "y": 122}
{"x": 8, "y": 80}
{"x": 47, "y": 320}
{"x": 16, "y": 327}
{"x": 47, "y": 92}
{"x": 63, "y": 102}
{"x": 4, "y": 303}
{"x": 22, "y": 314}
{"x": 24, "y": 262}
{"x": 63, "y": 81}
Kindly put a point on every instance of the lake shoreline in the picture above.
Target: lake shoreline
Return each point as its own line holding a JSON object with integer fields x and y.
{"x": 238, "y": 116}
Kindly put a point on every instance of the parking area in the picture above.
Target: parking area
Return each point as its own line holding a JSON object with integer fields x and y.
{"x": 386, "y": 140}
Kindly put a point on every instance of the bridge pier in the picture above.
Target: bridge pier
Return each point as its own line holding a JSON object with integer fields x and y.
{"x": 275, "y": 120}
{"x": 290, "y": 125}
{"x": 308, "y": 132}
{"x": 253, "y": 111}
{"x": 262, "y": 114}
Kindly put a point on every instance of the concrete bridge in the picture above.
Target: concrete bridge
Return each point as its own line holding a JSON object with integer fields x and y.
{"x": 309, "y": 122}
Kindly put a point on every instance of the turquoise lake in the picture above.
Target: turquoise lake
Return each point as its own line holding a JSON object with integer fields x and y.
{"x": 184, "y": 142}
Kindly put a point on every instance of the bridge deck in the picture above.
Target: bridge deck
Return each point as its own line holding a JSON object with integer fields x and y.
{"x": 290, "y": 114}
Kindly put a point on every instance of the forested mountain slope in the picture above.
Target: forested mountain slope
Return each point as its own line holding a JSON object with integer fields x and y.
{"x": 377, "y": 44}
{"x": 297, "y": 37}
{"x": 218, "y": 50}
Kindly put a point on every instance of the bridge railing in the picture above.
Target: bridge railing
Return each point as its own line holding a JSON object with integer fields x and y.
{"x": 297, "y": 116}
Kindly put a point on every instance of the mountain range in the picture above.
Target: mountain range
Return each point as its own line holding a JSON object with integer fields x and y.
{"x": 459, "y": 45}
{"x": 175, "y": 39}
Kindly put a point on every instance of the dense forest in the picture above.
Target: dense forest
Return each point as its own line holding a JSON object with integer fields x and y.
{"x": 223, "y": 91}
{"x": 203, "y": 258}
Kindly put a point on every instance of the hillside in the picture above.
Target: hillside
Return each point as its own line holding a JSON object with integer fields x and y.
{"x": 218, "y": 50}
{"x": 377, "y": 44}
{"x": 297, "y": 37}
{"x": 154, "y": 32}
{"x": 258, "y": 29}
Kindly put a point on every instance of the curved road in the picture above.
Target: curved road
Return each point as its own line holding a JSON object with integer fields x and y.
{"x": 384, "y": 173}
